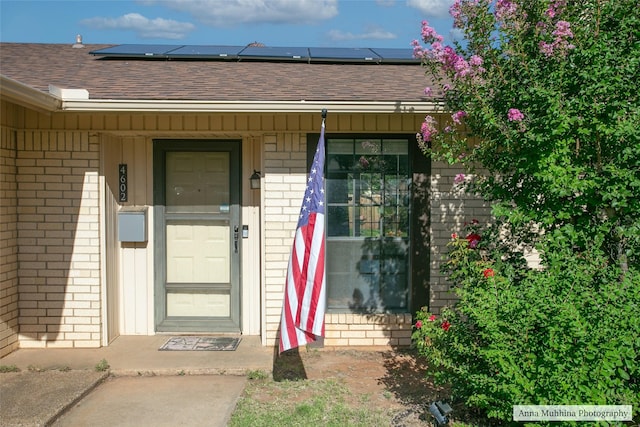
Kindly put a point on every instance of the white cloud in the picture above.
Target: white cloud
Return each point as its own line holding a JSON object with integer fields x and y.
{"x": 144, "y": 27}
{"x": 230, "y": 12}
{"x": 372, "y": 33}
{"x": 456, "y": 34}
{"x": 434, "y": 8}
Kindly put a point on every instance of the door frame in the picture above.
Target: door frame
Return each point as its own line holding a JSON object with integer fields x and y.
{"x": 160, "y": 148}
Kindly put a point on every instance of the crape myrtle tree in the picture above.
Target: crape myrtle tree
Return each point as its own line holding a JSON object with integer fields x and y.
{"x": 543, "y": 96}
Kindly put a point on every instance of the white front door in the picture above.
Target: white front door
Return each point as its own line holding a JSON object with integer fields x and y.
{"x": 197, "y": 260}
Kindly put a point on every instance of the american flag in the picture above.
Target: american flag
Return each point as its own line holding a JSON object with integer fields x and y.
{"x": 305, "y": 291}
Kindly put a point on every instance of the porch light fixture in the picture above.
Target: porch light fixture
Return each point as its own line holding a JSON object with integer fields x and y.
{"x": 254, "y": 179}
{"x": 440, "y": 410}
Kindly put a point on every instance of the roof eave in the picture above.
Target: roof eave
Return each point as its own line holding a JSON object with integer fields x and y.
{"x": 302, "y": 106}
{"x": 21, "y": 94}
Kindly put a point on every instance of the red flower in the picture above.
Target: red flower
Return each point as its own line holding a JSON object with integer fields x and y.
{"x": 488, "y": 273}
{"x": 432, "y": 318}
{"x": 454, "y": 236}
{"x": 473, "y": 240}
{"x": 445, "y": 325}
{"x": 419, "y": 324}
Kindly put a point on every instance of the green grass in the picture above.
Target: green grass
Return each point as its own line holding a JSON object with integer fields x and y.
{"x": 8, "y": 368}
{"x": 306, "y": 402}
{"x": 102, "y": 366}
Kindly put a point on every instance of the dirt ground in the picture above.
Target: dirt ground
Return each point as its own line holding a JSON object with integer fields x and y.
{"x": 393, "y": 380}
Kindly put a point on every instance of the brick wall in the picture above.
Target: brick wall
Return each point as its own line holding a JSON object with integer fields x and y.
{"x": 450, "y": 209}
{"x": 8, "y": 243}
{"x": 284, "y": 165}
{"x": 347, "y": 329}
{"x": 58, "y": 236}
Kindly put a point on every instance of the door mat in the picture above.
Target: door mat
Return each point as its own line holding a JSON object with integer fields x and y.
{"x": 201, "y": 344}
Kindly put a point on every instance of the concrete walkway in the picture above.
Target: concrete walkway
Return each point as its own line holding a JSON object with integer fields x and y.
{"x": 143, "y": 386}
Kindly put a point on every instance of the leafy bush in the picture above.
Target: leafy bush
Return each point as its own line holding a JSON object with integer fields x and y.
{"x": 567, "y": 334}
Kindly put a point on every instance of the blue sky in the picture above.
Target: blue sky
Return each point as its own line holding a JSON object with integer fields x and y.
{"x": 307, "y": 23}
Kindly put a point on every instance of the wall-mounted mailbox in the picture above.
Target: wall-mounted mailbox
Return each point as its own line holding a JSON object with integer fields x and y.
{"x": 132, "y": 225}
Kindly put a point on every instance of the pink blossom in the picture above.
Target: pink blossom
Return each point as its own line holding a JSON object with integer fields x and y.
{"x": 457, "y": 116}
{"x": 555, "y": 8}
{"x": 428, "y": 128}
{"x": 432, "y": 318}
{"x": 454, "y": 236}
{"x": 459, "y": 179}
{"x": 427, "y": 91}
{"x": 429, "y": 34}
{"x": 476, "y": 61}
{"x": 462, "y": 68}
{"x": 563, "y": 29}
{"x": 419, "y": 324}
{"x": 456, "y": 13}
{"x": 514, "y": 115}
{"x": 560, "y": 44}
{"x": 505, "y": 10}
{"x": 418, "y": 50}
{"x": 446, "y": 87}
{"x": 546, "y": 48}
{"x": 445, "y": 325}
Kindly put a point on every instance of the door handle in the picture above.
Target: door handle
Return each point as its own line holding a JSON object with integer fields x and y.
{"x": 235, "y": 237}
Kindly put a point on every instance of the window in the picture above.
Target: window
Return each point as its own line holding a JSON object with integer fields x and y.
{"x": 367, "y": 248}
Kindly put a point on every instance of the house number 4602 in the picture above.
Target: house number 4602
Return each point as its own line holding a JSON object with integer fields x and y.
{"x": 122, "y": 189}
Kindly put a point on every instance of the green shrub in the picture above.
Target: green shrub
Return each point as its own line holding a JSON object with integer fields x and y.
{"x": 565, "y": 334}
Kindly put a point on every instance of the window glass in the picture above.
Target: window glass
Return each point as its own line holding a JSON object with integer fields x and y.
{"x": 367, "y": 194}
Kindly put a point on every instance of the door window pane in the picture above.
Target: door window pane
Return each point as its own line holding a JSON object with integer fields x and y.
{"x": 367, "y": 187}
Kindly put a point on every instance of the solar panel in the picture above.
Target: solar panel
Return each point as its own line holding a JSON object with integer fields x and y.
{"x": 143, "y": 50}
{"x": 209, "y": 51}
{"x": 267, "y": 53}
{"x": 293, "y": 53}
{"x": 395, "y": 54}
{"x": 343, "y": 53}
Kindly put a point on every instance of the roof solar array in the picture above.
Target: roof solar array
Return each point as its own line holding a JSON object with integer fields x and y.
{"x": 303, "y": 54}
{"x": 194, "y": 51}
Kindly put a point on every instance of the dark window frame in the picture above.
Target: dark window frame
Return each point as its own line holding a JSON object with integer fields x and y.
{"x": 420, "y": 206}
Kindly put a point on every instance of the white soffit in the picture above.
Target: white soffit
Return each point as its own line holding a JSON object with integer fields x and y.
{"x": 112, "y": 105}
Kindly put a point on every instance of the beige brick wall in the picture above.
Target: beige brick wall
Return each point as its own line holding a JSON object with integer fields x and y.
{"x": 368, "y": 330}
{"x": 284, "y": 164}
{"x": 8, "y": 243}
{"x": 59, "y": 239}
{"x": 451, "y": 207}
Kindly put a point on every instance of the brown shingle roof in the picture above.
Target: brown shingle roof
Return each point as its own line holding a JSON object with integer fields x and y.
{"x": 41, "y": 65}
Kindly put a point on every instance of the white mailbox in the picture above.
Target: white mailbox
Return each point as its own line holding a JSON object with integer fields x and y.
{"x": 132, "y": 225}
